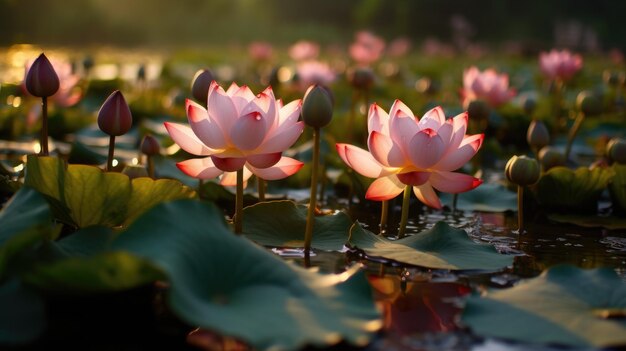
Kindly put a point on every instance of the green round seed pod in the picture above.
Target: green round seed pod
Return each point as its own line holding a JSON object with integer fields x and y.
{"x": 522, "y": 170}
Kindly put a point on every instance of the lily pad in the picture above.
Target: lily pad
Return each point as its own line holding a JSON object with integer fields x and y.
{"x": 564, "y": 190}
{"x": 590, "y": 221}
{"x": 282, "y": 224}
{"x": 617, "y": 187}
{"x": 488, "y": 197}
{"x": 441, "y": 247}
{"x": 86, "y": 196}
{"x": 23, "y": 317}
{"x": 565, "y": 305}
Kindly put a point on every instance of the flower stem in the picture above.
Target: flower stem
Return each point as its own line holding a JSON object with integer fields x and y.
{"x": 520, "y": 209}
{"x": 150, "y": 167}
{"x": 261, "y": 188}
{"x": 44, "y": 126}
{"x": 572, "y": 133}
{"x": 239, "y": 203}
{"x": 455, "y": 199}
{"x": 384, "y": 211}
{"x": 308, "y": 234}
{"x": 405, "y": 211}
{"x": 352, "y": 115}
{"x": 110, "y": 157}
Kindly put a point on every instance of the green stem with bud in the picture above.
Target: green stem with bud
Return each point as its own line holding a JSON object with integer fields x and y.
{"x": 520, "y": 209}
{"x": 44, "y": 126}
{"x": 261, "y": 188}
{"x": 405, "y": 211}
{"x": 150, "y": 166}
{"x": 572, "y": 133}
{"x": 308, "y": 234}
{"x": 111, "y": 150}
{"x": 384, "y": 212}
{"x": 239, "y": 203}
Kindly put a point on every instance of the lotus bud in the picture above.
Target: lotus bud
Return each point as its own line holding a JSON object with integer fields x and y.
{"x": 478, "y": 110}
{"x": 135, "y": 171}
{"x": 150, "y": 145}
{"x": 361, "y": 78}
{"x": 529, "y": 105}
{"x": 616, "y": 150}
{"x": 200, "y": 85}
{"x": 41, "y": 79}
{"x": 550, "y": 157}
{"x": 613, "y": 79}
{"x": 522, "y": 170}
{"x": 317, "y": 107}
{"x": 537, "y": 135}
{"x": 588, "y": 103}
{"x": 114, "y": 117}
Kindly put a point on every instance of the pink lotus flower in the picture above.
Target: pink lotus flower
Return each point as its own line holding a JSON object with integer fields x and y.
{"x": 488, "y": 85}
{"x": 399, "y": 47}
{"x": 239, "y": 130}
{"x": 422, "y": 153}
{"x": 68, "y": 94}
{"x": 367, "y": 48}
{"x": 560, "y": 64}
{"x": 314, "y": 72}
{"x": 260, "y": 51}
{"x": 304, "y": 50}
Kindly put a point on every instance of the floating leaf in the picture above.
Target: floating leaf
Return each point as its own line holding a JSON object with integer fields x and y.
{"x": 562, "y": 189}
{"x": 217, "y": 280}
{"x": 441, "y": 247}
{"x": 565, "y": 305}
{"x": 86, "y": 196}
{"x": 488, "y": 197}
{"x": 617, "y": 187}
{"x": 589, "y": 221}
{"x": 23, "y": 316}
{"x": 282, "y": 224}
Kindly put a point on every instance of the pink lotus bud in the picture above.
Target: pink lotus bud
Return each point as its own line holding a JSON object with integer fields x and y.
{"x": 41, "y": 79}
{"x": 317, "y": 107}
{"x": 150, "y": 145}
{"x": 200, "y": 85}
{"x": 537, "y": 135}
{"x": 114, "y": 117}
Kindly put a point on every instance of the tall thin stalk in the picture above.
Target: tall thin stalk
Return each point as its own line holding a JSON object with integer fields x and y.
{"x": 44, "y": 126}
{"x": 239, "y": 203}
{"x": 261, "y": 188}
{"x": 572, "y": 133}
{"x": 308, "y": 234}
{"x": 405, "y": 211}
{"x": 520, "y": 209}
{"x": 384, "y": 213}
{"x": 111, "y": 150}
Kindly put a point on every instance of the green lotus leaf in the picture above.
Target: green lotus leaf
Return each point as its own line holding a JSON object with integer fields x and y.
{"x": 488, "y": 197}
{"x": 589, "y": 221}
{"x": 441, "y": 247}
{"x": 24, "y": 222}
{"x": 617, "y": 187}
{"x": 227, "y": 284}
{"x": 282, "y": 224}
{"x": 86, "y": 196}
{"x": 565, "y": 305}
{"x": 23, "y": 316}
{"x": 564, "y": 190}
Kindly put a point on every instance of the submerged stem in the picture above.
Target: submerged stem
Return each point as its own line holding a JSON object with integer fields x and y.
{"x": 261, "y": 188}
{"x": 239, "y": 203}
{"x": 44, "y": 126}
{"x": 520, "y": 208}
{"x": 384, "y": 212}
{"x": 308, "y": 234}
{"x": 572, "y": 133}
{"x": 405, "y": 211}
{"x": 111, "y": 150}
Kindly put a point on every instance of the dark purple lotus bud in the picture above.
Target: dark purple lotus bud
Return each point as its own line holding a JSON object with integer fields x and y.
{"x": 150, "y": 145}
{"x": 41, "y": 79}
{"x": 537, "y": 135}
{"x": 361, "y": 78}
{"x": 114, "y": 117}
{"x": 317, "y": 107}
{"x": 200, "y": 85}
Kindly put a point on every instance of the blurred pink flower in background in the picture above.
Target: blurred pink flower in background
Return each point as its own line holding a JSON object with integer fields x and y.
{"x": 560, "y": 64}
{"x": 367, "y": 48}
{"x": 260, "y": 51}
{"x": 239, "y": 130}
{"x": 422, "y": 153}
{"x": 314, "y": 72}
{"x": 399, "y": 47}
{"x": 488, "y": 85}
{"x": 304, "y": 50}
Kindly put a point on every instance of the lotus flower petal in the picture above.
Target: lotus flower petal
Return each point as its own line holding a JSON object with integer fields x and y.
{"x": 282, "y": 139}
{"x": 453, "y": 182}
{"x": 187, "y": 140}
{"x": 264, "y": 160}
{"x": 228, "y": 164}
{"x": 284, "y": 168}
{"x": 455, "y": 159}
{"x": 432, "y": 119}
{"x": 361, "y": 161}
{"x": 377, "y": 120}
{"x": 205, "y": 127}
{"x": 414, "y": 178}
{"x": 221, "y": 108}
{"x": 230, "y": 178}
{"x": 426, "y": 194}
{"x": 426, "y": 148}
{"x": 385, "y": 150}
{"x": 384, "y": 188}
{"x": 201, "y": 168}
{"x": 248, "y": 132}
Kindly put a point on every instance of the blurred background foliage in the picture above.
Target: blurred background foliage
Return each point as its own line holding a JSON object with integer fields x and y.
{"x": 577, "y": 24}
